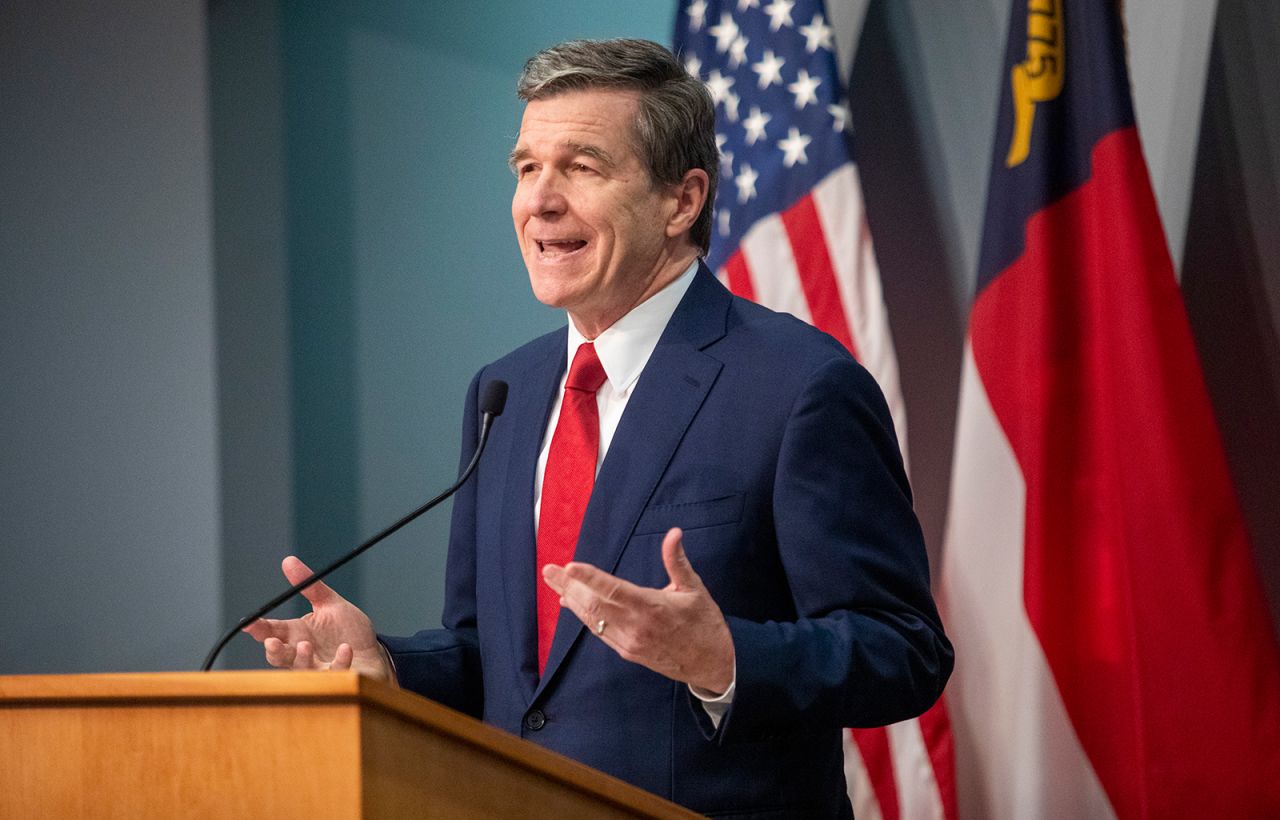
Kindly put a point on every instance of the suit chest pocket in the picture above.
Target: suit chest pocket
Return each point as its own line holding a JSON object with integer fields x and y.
{"x": 658, "y": 518}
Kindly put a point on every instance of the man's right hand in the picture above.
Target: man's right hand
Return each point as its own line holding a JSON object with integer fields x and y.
{"x": 334, "y": 635}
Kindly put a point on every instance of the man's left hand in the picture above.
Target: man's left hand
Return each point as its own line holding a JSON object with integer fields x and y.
{"x": 677, "y": 631}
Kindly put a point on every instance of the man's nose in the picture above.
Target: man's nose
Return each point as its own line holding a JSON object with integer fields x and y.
{"x": 547, "y": 194}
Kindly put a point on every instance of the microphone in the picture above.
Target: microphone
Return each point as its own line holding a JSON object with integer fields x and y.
{"x": 492, "y": 401}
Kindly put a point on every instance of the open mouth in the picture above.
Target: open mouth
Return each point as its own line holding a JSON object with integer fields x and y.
{"x": 553, "y": 248}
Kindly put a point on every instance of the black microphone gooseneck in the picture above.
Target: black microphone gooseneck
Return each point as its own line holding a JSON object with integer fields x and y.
{"x": 492, "y": 401}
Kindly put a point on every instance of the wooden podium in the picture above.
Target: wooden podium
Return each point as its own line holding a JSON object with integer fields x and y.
{"x": 277, "y": 745}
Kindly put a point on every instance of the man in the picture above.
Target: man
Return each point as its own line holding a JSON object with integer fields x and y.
{"x": 715, "y": 664}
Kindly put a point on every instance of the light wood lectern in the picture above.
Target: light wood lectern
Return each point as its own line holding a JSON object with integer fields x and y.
{"x": 277, "y": 745}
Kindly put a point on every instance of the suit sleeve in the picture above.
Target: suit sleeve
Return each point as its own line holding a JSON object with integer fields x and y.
{"x": 867, "y": 647}
{"x": 444, "y": 664}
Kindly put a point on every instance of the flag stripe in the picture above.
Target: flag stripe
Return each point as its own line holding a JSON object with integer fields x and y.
{"x": 774, "y": 277}
{"x": 913, "y": 772}
{"x": 839, "y": 202}
{"x": 873, "y": 745}
{"x": 739, "y": 278}
{"x": 935, "y": 729}
{"x": 861, "y": 793}
{"x": 817, "y": 275}
{"x": 1017, "y": 755}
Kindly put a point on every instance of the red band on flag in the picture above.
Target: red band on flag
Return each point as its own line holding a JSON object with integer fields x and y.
{"x": 1139, "y": 580}
{"x": 739, "y": 276}
{"x": 873, "y": 745}
{"x": 935, "y": 726}
{"x": 817, "y": 274}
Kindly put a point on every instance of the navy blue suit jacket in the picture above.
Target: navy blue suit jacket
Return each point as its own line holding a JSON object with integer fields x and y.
{"x": 774, "y": 450}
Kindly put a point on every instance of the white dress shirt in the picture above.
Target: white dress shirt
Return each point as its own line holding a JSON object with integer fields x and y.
{"x": 624, "y": 349}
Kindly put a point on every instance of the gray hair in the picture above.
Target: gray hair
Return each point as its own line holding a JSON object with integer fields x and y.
{"x": 675, "y": 126}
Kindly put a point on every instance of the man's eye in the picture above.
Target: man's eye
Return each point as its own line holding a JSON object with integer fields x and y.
{"x": 578, "y": 166}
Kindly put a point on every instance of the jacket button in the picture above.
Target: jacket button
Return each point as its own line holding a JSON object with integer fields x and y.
{"x": 535, "y": 720}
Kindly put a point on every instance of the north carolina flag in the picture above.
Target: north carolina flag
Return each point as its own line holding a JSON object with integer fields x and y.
{"x": 791, "y": 234}
{"x": 1114, "y": 656}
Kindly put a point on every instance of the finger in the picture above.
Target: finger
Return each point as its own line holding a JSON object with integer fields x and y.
{"x": 305, "y": 656}
{"x": 679, "y": 570}
{"x": 279, "y": 653}
{"x": 609, "y": 588}
{"x": 263, "y": 628}
{"x": 554, "y": 577}
{"x": 296, "y": 572}
{"x": 343, "y": 657}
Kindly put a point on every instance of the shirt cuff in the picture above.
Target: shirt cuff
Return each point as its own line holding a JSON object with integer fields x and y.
{"x": 716, "y": 705}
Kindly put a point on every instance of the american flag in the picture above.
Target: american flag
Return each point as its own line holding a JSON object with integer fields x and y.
{"x": 790, "y": 233}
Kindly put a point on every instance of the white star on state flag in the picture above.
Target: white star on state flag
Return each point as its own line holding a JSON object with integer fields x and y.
{"x": 693, "y": 65}
{"x": 718, "y": 85}
{"x": 803, "y": 88}
{"x": 839, "y": 116}
{"x": 793, "y": 147}
{"x": 738, "y": 52}
{"x": 817, "y": 34}
{"x": 746, "y": 182}
{"x": 724, "y": 221}
{"x": 769, "y": 68}
{"x": 743, "y": 5}
{"x": 779, "y": 12}
{"x": 725, "y": 32}
{"x": 697, "y": 14}
{"x": 755, "y": 125}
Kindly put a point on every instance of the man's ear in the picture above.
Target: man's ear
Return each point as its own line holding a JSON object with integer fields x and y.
{"x": 690, "y": 196}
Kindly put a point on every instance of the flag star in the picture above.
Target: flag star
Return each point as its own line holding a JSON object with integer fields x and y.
{"x": 743, "y": 5}
{"x": 725, "y": 32}
{"x": 726, "y": 157}
{"x": 693, "y": 65}
{"x": 769, "y": 68}
{"x": 803, "y": 88}
{"x": 839, "y": 116}
{"x": 697, "y": 15}
{"x": 738, "y": 52}
{"x": 793, "y": 147}
{"x": 779, "y": 12}
{"x": 718, "y": 85}
{"x": 723, "y": 216}
{"x": 755, "y": 125}
{"x": 817, "y": 34}
{"x": 731, "y": 101}
{"x": 746, "y": 182}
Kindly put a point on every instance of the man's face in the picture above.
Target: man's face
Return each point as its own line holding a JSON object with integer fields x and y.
{"x": 591, "y": 225}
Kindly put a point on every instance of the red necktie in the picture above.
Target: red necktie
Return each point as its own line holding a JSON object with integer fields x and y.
{"x": 567, "y": 483}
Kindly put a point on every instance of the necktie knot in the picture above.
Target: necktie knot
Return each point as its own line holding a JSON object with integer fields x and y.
{"x": 586, "y": 373}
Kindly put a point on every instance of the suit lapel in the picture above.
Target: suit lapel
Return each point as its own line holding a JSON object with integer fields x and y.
{"x": 519, "y": 540}
{"x": 666, "y": 399}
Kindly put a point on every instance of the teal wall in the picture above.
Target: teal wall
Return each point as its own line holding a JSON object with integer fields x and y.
{"x": 400, "y": 267}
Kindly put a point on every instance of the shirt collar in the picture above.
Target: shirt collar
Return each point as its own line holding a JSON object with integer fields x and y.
{"x": 625, "y": 346}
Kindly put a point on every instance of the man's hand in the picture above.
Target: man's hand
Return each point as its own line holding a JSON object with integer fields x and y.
{"x": 677, "y": 631}
{"x": 334, "y": 635}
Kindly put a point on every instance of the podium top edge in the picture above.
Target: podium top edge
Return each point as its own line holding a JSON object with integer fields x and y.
{"x": 133, "y": 686}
